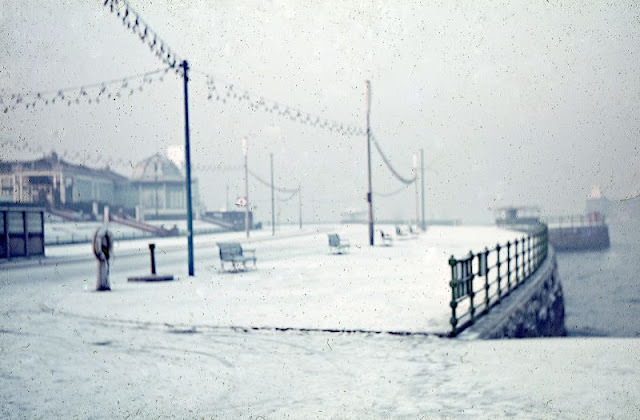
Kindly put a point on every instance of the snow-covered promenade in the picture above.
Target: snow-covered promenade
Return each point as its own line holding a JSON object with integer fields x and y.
{"x": 212, "y": 346}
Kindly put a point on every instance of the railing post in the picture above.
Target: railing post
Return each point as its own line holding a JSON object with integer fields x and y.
{"x": 517, "y": 267}
{"x": 531, "y": 270}
{"x": 498, "y": 278}
{"x": 469, "y": 280}
{"x": 508, "y": 266}
{"x": 485, "y": 272}
{"x": 534, "y": 252}
{"x": 523, "y": 260}
{"x": 525, "y": 251}
{"x": 453, "y": 304}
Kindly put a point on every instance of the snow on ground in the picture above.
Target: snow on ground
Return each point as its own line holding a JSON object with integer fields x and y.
{"x": 299, "y": 284}
{"x": 186, "y": 348}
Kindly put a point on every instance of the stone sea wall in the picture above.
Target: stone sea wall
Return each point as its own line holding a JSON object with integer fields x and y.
{"x": 535, "y": 309}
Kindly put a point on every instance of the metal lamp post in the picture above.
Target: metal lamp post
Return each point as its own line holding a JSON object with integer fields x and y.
{"x": 245, "y": 152}
{"x": 415, "y": 181}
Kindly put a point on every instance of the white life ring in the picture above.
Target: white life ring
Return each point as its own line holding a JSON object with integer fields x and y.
{"x": 103, "y": 244}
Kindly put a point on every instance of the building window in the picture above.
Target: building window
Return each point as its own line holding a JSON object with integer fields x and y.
{"x": 34, "y": 222}
{"x": 6, "y": 185}
{"x": 15, "y": 222}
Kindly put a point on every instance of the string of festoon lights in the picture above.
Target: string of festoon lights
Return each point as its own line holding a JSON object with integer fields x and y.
{"x": 132, "y": 20}
{"x": 225, "y": 92}
{"x": 83, "y": 157}
{"x": 85, "y": 94}
{"x": 217, "y": 91}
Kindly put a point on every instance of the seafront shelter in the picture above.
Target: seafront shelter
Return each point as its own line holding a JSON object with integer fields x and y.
{"x": 21, "y": 231}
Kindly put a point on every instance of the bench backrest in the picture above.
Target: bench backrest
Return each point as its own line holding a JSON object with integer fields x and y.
{"x": 334, "y": 240}
{"x": 230, "y": 249}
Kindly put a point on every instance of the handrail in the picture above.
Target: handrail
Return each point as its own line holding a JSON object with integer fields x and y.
{"x": 483, "y": 274}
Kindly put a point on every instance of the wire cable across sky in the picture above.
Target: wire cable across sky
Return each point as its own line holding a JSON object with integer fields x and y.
{"x": 225, "y": 92}
{"x": 134, "y": 22}
{"x": 88, "y": 94}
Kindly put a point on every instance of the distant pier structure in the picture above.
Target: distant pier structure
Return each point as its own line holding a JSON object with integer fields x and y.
{"x": 579, "y": 232}
{"x": 566, "y": 233}
{"x": 524, "y": 218}
{"x": 587, "y": 231}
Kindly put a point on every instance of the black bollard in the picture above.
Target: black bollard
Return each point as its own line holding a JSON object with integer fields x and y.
{"x": 152, "y": 248}
{"x": 153, "y": 276}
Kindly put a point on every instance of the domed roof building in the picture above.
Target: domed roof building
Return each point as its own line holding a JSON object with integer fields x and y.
{"x": 160, "y": 186}
{"x": 157, "y": 167}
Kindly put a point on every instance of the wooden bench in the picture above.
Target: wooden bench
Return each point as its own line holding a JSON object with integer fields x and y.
{"x": 336, "y": 244}
{"x": 232, "y": 252}
{"x": 400, "y": 231}
{"x": 387, "y": 239}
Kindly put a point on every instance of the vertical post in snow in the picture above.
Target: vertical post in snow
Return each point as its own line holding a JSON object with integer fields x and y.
{"x": 187, "y": 162}
{"x": 300, "y": 204}
{"x": 155, "y": 187}
{"x": 245, "y": 151}
{"x": 369, "y": 193}
{"x": 415, "y": 181}
{"x": 273, "y": 201}
{"x": 424, "y": 223}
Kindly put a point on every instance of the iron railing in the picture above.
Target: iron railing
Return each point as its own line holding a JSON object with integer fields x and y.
{"x": 480, "y": 281}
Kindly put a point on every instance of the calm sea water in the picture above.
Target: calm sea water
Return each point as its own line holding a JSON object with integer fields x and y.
{"x": 602, "y": 288}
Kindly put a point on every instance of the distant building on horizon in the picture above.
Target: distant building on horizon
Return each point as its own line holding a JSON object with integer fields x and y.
{"x": 159, "y": 186}
{"x": 156, "y": 188}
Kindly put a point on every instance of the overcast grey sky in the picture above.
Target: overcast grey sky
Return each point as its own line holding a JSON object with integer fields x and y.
{"x": 527, "y": 103}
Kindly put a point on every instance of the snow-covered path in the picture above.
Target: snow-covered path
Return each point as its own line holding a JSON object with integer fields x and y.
{"x": 63, "y": 366}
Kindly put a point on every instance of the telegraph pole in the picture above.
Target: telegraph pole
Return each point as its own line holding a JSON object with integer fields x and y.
{"x": 187, "y": 161}
{"x": 369, "y": 193}
{"x": 155, "y": 187}
{"x": 273, "y": 201}
{"x": 415, "y": 181}
{"x": 424, "y": 223}
{"x": 245, "y": 150}
{"x": 300, "y": 204}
